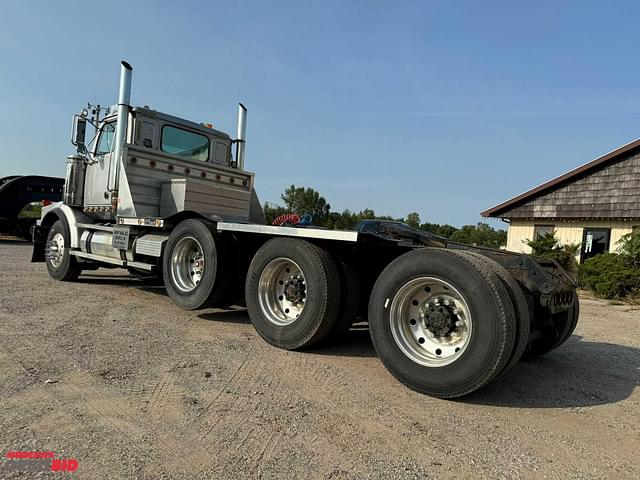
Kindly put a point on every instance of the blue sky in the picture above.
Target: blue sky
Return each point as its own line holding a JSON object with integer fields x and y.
{"x": 445, "y": 108}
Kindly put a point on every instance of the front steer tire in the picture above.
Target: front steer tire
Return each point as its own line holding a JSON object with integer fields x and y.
{"x": 292, "y": 293}
{"x": 60, "y": 264}
{"x": 395, "y": 303}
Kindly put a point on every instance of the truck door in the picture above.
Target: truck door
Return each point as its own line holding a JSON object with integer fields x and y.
{"x": 96, "y": 189}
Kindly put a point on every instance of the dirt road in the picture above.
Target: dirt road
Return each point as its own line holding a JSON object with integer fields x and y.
{"x": 141, "y": 389}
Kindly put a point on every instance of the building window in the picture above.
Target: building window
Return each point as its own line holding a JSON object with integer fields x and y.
{"x": 184, "y": 143}
{"x": 542, "y": 231}
{"x": 594, "y": 242}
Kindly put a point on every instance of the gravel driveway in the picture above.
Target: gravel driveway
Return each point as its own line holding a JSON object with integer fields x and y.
{"x": 109, "y": 372}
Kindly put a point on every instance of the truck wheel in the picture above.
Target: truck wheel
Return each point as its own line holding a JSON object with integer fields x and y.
{"x": 350, "y": 295}
{"x": 190, "y": 266}
{"x": 441, "y": 322}
{"x": 565, "y": 326}
{"x": 292, "y": 293}
{"x": 521, "y": 308}
{"x": 60, "y": 264}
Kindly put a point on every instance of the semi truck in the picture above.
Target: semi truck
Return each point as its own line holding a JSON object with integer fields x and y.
{"x": 160, "y": 195}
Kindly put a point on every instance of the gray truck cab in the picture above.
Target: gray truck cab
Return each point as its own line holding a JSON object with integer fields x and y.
{"x": 167, "y": 165}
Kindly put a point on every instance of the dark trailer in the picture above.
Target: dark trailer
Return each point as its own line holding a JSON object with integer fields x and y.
{"x": 20, "y": 191}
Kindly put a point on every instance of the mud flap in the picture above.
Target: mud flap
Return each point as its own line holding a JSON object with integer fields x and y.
{"x": 39, "y": 242}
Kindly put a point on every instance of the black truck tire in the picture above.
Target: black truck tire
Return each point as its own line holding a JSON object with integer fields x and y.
{"x": 521, "y": 309}
{"x": 412, "y": 310}
{"x": 191, "y": 268}
{"x": 292, "y": 293}
{"x": 350, "y": 297}
{"x": 60, "y": 264}
{"x": 553, "y": 338}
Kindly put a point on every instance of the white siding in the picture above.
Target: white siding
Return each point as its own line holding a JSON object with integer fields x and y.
{"x": 566, "y": 232}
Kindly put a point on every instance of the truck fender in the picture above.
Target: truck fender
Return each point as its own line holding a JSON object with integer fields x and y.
{"x": 60, "y": 211}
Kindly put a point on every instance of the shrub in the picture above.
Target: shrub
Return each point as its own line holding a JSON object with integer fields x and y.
{"x": 548, "y": 246}
{"x": 629, "y": 248}
{"x": 608, "y": 275}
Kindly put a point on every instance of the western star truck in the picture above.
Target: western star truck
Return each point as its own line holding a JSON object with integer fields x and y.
{"x": 160, "y": 195}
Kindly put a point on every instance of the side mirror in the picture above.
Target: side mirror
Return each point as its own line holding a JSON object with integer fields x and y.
{"x": 79, "y": 131}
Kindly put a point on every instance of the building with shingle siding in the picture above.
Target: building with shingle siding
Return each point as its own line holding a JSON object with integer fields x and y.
{"x": 593, "y": 205}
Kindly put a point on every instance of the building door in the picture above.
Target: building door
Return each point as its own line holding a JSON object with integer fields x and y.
{"x": 594, "y": 242}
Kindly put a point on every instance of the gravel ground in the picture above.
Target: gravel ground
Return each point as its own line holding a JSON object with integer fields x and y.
{"x": 109, "y": 372}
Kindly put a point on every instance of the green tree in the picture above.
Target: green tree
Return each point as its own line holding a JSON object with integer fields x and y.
{"x": 302, "y": 200}
{"x": 629, "y": 248}
{"x": 442, "y": 230}
{"x": 413, "y": 220}
{"x": 481, "y": 234}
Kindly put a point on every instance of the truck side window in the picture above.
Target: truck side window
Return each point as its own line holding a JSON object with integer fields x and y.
{"x": 107, "y": 136}
{"x": 221, "y": 156}
{"x": 184, "y": 143}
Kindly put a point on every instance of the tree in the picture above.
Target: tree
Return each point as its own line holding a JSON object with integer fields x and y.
{"x": 629, "y": 248}
{"x": 413, "y": 220}
{"x": 302, "y": 200}
{"x": 442, "y": 230}
{"x": 481, "y": 234}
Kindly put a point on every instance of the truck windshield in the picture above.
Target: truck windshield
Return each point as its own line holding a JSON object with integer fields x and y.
{"x": 184, "y": 143}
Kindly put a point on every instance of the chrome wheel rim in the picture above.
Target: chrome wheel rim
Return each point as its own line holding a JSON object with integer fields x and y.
{"x": 430, "y": 321}
{"x": 56, "y": 250}
{"x": 282, "y": 291}
{"x": 187, "y": 264}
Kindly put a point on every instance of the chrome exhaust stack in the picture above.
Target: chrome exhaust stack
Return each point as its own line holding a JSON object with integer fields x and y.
{"x": 241, "y": 137}
{"x": 124, "y": 98}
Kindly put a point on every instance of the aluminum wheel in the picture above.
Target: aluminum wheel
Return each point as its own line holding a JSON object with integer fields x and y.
{"x": 187, "y": 264}
{"x": 430, "y": 321}
{"x": 282, "y": 291}
{"x": 56, "y": 250}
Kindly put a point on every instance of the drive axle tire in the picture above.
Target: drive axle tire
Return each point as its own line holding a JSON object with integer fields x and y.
{"x": 60, "y": 264}
{"x": 191, "y": 269}
{"x": 554, "y": 337}
{"x": 441, "y": 321}
{"x": 350, "y": 296}
{"x": 521, "y": 309}
{"x": 292, "y": 293}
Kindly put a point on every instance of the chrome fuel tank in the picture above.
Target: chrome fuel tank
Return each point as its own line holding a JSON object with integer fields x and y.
{"x": 98, "y": 243}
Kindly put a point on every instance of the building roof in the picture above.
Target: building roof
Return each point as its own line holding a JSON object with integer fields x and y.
{"x": 572, "y": 175}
